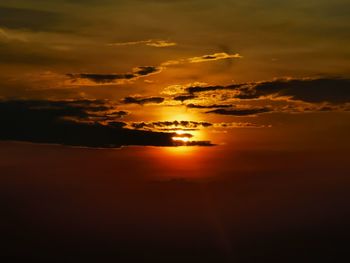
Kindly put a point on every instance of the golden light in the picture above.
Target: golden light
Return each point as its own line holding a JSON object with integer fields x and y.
{"x": 181, "y": 139}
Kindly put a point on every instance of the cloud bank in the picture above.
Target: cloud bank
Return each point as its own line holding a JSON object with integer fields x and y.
{"x": 69, "y": 123}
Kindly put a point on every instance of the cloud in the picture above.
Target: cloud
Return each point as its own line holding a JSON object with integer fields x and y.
{"x": 240, "y": 112}
{"x": 49, "y": 122}
{"x": 205, "y": 58}
{"x": 287, "y": 95}
{"x": 142, "y": 100}
{"x": 161, "y": 43}
{"x": 183, "y": 98}
{"x": 240, "y": 125}
{"x": 193, "y": 143}
{"x": 190, "y": 126}
{"x": 333, "y": 90}
{"x": 180, "y": 89}
{"x": 311, "y": 90}
{"x": 209, "y": 106}
{"x": 150, "y": 42}
{"x": 195, "y": 89}
{"x": 108, "y": 79}
{"x": 142, "y": 71}
{"x": 171, "y": 125}
{"x": 213, "y": 57}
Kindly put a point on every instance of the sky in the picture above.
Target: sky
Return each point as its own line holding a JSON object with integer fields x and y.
{"x": 142, "y": 58}
{"x": 230, "y": 118}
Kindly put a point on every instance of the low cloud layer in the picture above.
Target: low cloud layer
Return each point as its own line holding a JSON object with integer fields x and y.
{"x": 280, "y": 96}
{"x": 171, "y": 125}
{"x": 69, "y": 123}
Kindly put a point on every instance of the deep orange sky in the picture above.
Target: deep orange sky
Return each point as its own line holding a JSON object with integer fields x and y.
{"x": 297, "y": 53}
{"x": 95, "y": 94}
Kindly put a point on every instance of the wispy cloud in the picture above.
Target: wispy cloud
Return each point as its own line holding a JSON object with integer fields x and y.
{"x": 201, "y": 59}
{"x": 149, "y": 42}
{"x": 11, "y": 35}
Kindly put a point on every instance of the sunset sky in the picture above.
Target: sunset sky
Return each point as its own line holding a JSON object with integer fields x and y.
{"x": 223, "y": 126}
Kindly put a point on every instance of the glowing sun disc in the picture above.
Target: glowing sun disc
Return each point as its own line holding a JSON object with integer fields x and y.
{"x": 181, "y": 139}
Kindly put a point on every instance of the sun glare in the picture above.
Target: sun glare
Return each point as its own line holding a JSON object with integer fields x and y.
{"x": 181, "y": 139}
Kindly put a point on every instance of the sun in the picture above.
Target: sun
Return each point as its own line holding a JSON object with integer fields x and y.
{"x": 181, "y": 139}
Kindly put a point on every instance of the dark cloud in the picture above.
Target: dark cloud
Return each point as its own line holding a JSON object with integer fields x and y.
{"x": 240, "y": 112}
{"x": 210, "y": 106}
{"x": 183, "y": 98}
{"x": 212, "y": 88}
{"x": 193, "y": 143}
{"x": 316, "y": 90}
{"x": 100, "y": 78}
{"x": 57, "y": 122}
{"x": 333, "y": 90}
{"x": 171, "y": 125}
{"x": 121, "y": 113}
{"x": 113, "y": 78}
{"x": 146, "y": 70}
{"x": 142, "y": 101}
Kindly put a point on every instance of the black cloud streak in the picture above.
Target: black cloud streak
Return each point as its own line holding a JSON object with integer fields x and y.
{"x": 112, "y": 78}
{"x": 45, "y": 122}
{"x": 183, "y": 98}
{"x": 240, "y": 112}
{"x": 211, "y": 106}
{"x": 174, "y": 124}
{"x": 316, "y": 90}
{"x": 212, "y": 88}
{"x": 335, "y": 90}
{"x": 142, "y": 101}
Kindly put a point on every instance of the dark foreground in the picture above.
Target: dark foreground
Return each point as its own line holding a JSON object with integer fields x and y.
{"x": 62, "y": 204}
